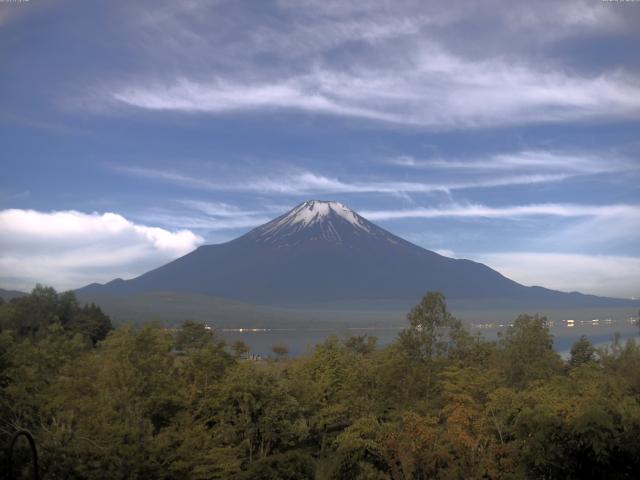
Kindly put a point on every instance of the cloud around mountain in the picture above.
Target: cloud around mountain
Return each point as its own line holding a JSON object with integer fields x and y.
{"x": 71, "y": 248}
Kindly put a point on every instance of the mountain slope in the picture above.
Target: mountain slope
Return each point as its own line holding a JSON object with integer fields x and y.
{"x": 7, "y": 295}
{"x": 323, "y": 253}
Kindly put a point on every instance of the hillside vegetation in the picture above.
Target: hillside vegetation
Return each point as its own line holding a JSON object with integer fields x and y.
{"x": 437, "y": 403}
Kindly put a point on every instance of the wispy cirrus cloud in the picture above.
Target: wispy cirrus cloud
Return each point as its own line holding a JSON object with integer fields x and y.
{"x": 308, "y": 183}
{"x": 219, "y": 209}
{"x": 536, "y": 160}
{"x": 305, "y": 27}
{"x": 206, "y": 223}
{"x": 615, "y": 232}
{"x": 400, "y": 64}
{"x": 222, "y": 96}
{"x": 514, "y": 212}
{"x": 208, "y": 216}
{"x": 435, "y": 89}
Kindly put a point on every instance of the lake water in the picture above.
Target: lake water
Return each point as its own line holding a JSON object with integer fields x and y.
{"x": 302, "y": 341}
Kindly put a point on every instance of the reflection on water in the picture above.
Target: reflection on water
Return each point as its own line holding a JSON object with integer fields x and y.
{"x": 302, "y": 341}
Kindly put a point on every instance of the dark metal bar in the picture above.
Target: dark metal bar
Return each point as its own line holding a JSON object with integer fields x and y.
{"x": 34, "y": 453}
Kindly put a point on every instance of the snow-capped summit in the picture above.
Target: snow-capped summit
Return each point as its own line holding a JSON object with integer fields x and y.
{"x": 313, "y": 211}
{"x": 318, "y": 220}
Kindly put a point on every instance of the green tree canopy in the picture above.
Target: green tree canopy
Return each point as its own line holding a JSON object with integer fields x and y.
{"x": 194, "y": 335}
{"x": 527, "y": 351}
{"x": 31, "y": 315}
{"x": 436, "y": 403}
{"x": 582, "y": 352}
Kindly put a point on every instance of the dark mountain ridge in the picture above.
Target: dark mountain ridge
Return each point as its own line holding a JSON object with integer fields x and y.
{"x": 323, "y": 253}
{"x": 7, "y": 295}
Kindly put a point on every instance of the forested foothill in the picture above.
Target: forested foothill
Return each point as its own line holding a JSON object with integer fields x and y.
{"x": 437, "y": 403}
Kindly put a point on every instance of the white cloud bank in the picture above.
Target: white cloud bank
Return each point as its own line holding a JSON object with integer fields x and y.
{"x": 68, "y": 249}
{"x": 607, "y": 275}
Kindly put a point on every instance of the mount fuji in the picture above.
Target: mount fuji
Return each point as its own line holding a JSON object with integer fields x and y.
{"x": 323, "y": 254}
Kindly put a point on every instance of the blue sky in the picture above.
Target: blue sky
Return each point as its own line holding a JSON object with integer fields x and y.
{"x": 504, "y": 132}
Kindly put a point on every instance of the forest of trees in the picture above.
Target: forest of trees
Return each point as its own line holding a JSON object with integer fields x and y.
{"x": 437, "y": 403}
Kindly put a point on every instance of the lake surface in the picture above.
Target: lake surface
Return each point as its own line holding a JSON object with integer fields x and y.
{"x": 302, "y": 341}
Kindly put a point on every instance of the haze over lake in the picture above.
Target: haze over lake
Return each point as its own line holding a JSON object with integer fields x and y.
{"x": 302, "y": 341}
